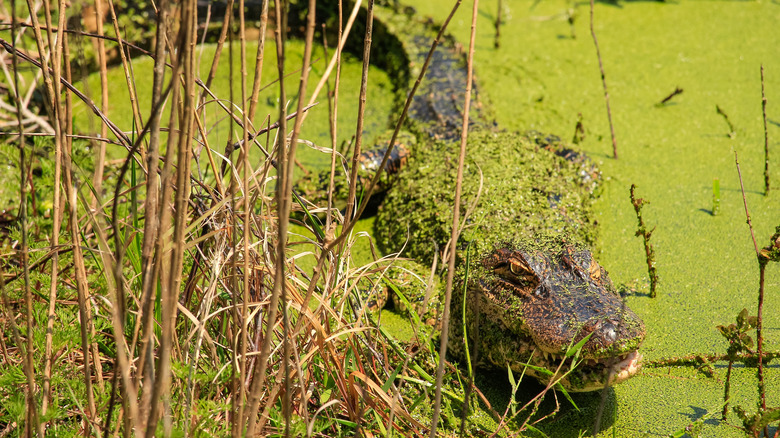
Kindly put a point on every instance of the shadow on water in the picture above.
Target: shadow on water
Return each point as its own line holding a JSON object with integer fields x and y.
{"x": 567, "y": 421}
{"x": 699, "y": 413}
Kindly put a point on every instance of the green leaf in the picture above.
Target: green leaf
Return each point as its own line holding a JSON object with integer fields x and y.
{"x": 391, "y": 377}
{"x": 544, "y": 371}
{"x": 565, "y": 393}
{"x": 346, "y": 422}
{"x": 575, "y": 349}
{"x": 312, "y": 219}
{"x": 535, "y": 430}
{"x": 511, "y": 376}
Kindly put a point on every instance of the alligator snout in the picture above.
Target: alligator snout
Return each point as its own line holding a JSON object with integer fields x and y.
{"x": 548, "y": 300}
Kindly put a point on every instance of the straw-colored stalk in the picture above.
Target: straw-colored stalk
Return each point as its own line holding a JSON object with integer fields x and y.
{"x": 455, "y": 222}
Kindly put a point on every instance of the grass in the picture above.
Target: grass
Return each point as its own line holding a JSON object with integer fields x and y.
{"x": 128, "y": 286}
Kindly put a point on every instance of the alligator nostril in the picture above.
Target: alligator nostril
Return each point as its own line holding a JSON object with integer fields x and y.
{"x": 611, "y": 334}
{"x": 608, "y": 331}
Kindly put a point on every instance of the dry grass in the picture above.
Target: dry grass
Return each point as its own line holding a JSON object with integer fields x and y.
{"x": 194, "y": 315}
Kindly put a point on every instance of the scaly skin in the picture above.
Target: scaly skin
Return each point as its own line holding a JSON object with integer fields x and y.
{"x": 534, "y": 289}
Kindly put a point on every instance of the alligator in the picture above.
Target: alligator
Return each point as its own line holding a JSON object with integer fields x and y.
{"x": 532, "y": 290}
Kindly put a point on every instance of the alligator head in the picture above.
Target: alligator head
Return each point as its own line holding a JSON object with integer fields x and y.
{"x": 535, "y": 304}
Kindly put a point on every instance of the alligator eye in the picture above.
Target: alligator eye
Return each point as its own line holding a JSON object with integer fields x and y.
{"x": 520, "y": 269}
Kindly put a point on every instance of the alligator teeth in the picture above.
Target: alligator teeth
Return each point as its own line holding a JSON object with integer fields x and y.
{"x": 627, "y": 367}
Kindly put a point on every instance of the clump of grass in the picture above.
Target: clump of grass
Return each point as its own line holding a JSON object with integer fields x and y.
{"x": 643, "y": 232}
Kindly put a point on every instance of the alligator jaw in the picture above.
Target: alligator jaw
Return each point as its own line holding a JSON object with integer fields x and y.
{"x": 626, "y": 368}
{"x": 590, "y": 374}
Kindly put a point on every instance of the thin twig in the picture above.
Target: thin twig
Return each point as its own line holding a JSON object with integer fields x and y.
{"x": 149, "y": 266}
{"x": 287, "y": 182}
{"x": 744, "y": 202}
{"x": 732, "y": 132}
{"x": 97, "y": 179}
{"x": 671, "y": 95}
{"x": 497, "y": 42}
{"x": 283, "y": 209}
{"x": 259, "y": 61}
{"x": 604, "y": 84}
{"x": 55, "y": 237}
{"x": 126, "y": 68}
{"x": 726, "y": 390}
{"x": 348, "y": 217}
{"x": 238, "y": 423}
{"x": 218, "y": 50}
{"x": 455, "y": 234}
{"x": 762, "y": 261}
{"x": 31, "y": 411}
{"x": 333, "y": 105}
{"x": 126, "y": 142}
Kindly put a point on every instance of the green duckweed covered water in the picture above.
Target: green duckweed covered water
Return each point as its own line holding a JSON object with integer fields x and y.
{"x": 541, "y": 78}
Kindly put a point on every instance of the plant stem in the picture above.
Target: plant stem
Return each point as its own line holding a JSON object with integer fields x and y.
{"x": 259, "y": 61}
{"x": 31, "y": 410}
{"x": 766, "y": 135}
{"x": 642, "y": 231}
{"x": 744, "y": 202}
{"x": 333, "y": 105}
{"x": 732, "y": 132}
{"x": 349, "y": 214}
{"x": 676, "y": 91}
{"x": 726, "y": 389}
{"x": 455, "y": 222}
{"x": 497, "y": 43}
{"x": 239, "y": 420}
{"x": 715, "y": 196}
{"x": 759, "y": 334}
{"x": 761, "y": 266}
{"x": 604, "y": 84}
